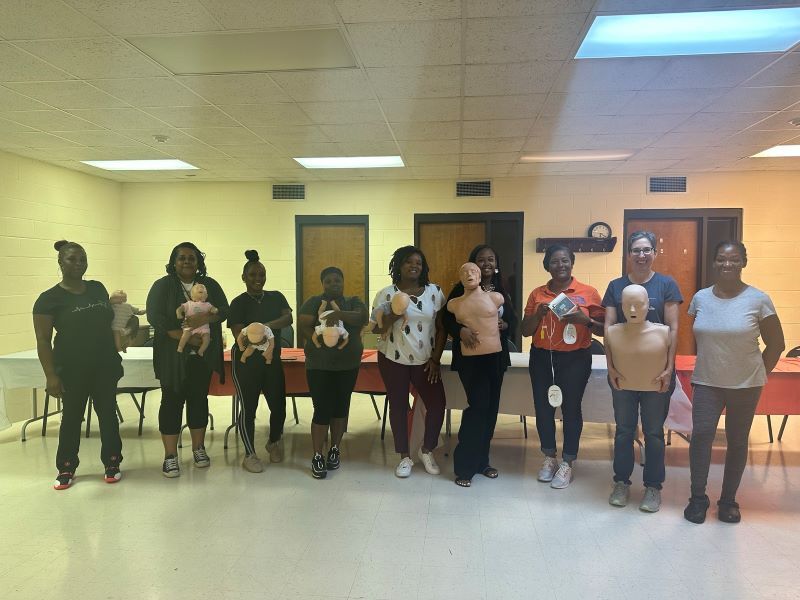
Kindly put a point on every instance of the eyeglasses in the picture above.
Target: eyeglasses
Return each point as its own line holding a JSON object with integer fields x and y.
{"x": 642, "y": 251}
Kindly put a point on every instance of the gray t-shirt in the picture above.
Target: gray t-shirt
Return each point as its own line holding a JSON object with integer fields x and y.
{"x": 727, "y": 332}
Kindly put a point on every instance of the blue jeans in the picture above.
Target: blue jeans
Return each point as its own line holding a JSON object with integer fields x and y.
{"x": 654, "y": 407}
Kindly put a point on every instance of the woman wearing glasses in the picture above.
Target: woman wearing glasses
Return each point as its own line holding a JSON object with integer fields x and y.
{"x": 665, "y": 296}
{"x": 410, "y": 354}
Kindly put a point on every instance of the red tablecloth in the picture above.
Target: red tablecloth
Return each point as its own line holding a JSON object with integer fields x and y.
{"x": 294, "y": 368}
{"x": 781, "y": 395}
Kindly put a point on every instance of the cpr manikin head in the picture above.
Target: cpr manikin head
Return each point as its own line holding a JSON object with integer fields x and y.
{"x": 330, "y": 335}
{"x": 470, "y": 275}
{"x": 635, "y": 304}
{"x": 400, "y": 302}
{"x": 118, "y": 297}
{"x": 199, "y": 293}
{"x": 256, "y": 332}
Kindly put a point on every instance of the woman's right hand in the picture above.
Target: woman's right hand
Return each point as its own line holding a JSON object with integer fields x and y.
{"x": 54, "y": 386}
{"x": 469, "y": 338}
{"x": 542, "y": 310}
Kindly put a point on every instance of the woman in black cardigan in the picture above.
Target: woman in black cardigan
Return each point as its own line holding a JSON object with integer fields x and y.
{"x": 491, "y": 280}
{"x": 184, "y": 376}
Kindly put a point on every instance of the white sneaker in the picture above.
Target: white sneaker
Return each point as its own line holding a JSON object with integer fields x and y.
{"x": 429, "y": 462}
{"x": 252, "y": 463}
{"x": 548, "y": 470}
{"x": 404, "y": 468}
{"x": 563, "y": 476}
{"x": 651, "y": 501}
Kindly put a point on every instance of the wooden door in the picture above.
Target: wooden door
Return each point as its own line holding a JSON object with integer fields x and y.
{"x": 320, "y": 245}
{"x": 678, "y": 256}
{"x": 447, "y": 247}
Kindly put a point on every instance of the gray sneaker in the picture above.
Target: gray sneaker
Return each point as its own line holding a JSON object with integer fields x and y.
{"x": 252, "y": 463}
{"x": 548, "y": 470}
{"x": 563, "y": 476}
{"x": 651, "y": 501}
{"x": 620, "y": 494}
{"x": 275, "y": 450}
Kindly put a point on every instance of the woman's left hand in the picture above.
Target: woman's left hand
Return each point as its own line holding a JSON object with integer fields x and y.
{"x": 434, "y": 370}
{"x": 195, "y": 321}
{"x": 577, "y": 318}
{"x": 502, "y": 325}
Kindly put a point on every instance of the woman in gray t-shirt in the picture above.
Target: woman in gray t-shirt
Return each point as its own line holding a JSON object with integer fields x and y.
{"x": 729, "y": 317}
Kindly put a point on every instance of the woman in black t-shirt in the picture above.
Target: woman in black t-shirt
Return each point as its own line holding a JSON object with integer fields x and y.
{"x": 255, "y": 376}
{"x": 331, "y": 372}
{"x": 184, "y": 376}
{"x": 81, "y": 362}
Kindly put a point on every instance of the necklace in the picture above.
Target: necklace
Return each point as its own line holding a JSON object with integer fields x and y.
{"x": 487, "y": 288}
{"x": 259, "y": 299}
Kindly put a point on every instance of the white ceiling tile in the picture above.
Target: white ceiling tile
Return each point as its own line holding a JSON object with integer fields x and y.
{"x": 653, "y": 102}
{"x": 430, "y": 146}
{"x": 369, "y": 148}
{"x": 18, "y": 65}
{"x": 355, "y": 132}
{"x": 256, "y": 160}
{"x": 299, "y": 147}
{"x": 33, "y": 19}
{"x": 558, "y": 143}
{"x": 191, "y": 116}
{"x": 657, "y": 123}
{"x": 720, "y": 122}
{"x": 223, "y": 135}
{"x": 477, "y": 146}
{"x": 132, "y": 17}
{"x": 191, "y": 151}
{"x": 571, "y": 124}
{"x": 416, "y": 82}
{"x": 508, "y": 79}
{"x": 608, "y": 74}
{"x": 645, "y": 166}
{"x": 692, "y": 139}
{"x": 477, "y": 108}
{"x": 94, "y": 58}
{"x": 66, "y": 94}
{"x": 358, "y": 111}
{"x": 132, "y": 152}
{"x": 240, "y": 88}
{"x": 422, "y": 109}
{"x": 422, "y": 130}
{"x": 436, "y": 160}
{"x": 100, "y": 138}
{"x": 435, "y": 171}
{"x": 324, "y": 85}
{"x": 10, "y": 100}
{"x": 12, "y": 126}
{"x": 304, "y": 133}
{"x": 520, "y": 39}
{"x": 120, "y": 118}
{"x": 623, "y": 141}
{"x": 519, "y": 8}
{"x": 785, "y": 71}
{"x": 751, "y": 99}
{"x": 247, "y": 14}
{"x": 660, "y": 153}
{"x": 779, "y": 120}
{"x": 497, "y": 128}
{"x": 709, "y": 71}
{"x": 34, "y": 139}
{"x": 150, "y": 91}
{"x": 362, "y": 11}
{"x": 495, "y": 158}
{"x": 413, "y": 43}
{"x": 145, "y": 136}
{"x": 767, "y": 139}
{"x": 586, "y": 103}
{"x": 50, "y": 120}
{"x": 485, "y": 170}
{"x": 255, "y": 115}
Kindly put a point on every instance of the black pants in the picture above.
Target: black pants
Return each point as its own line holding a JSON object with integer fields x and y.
{"x": 193, "y": 392}
{"x": 102, "y": 387}
{"x": 482, "y": 379}
{"x": 573, "y": 370}
{"x": 251, "y": 379}
{"x": 330, "y": 393}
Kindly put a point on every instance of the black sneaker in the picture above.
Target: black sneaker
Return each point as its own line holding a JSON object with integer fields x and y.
{"x": 318, "y": 469}
{"x": 171, "y": 468}
{"x": 112, "y": 474}
{"x": 64, "y": 480}
{"x": 333, "y": 458}
{"x": 695, "y": 511}
{"x": 728, "y": 512}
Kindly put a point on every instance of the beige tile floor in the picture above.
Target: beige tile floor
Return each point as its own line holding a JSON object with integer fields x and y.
{"x": 362, "y": 533}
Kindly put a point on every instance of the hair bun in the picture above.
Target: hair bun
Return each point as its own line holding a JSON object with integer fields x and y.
{"x": 251, "y": 255}
{"x": 60, "y": 244}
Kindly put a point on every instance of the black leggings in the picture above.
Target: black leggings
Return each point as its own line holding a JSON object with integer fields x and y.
{"x": 78, "y": 387}
{"x": 193, "y": 391}
{"x": 251, "y": 379}
{"x": 330, "y": 393}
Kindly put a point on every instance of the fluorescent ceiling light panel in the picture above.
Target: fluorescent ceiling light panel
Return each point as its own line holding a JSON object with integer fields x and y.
{"x": 350, "y": 162}
{"x": 140, "y": 165}
{"x": 712, "y": 32}
{"x": 247, "y": 52}
{"x": 576, "y": 156}
{"x": 786, "y": 150}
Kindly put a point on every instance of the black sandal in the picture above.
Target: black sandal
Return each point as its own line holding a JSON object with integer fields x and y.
{"x": 490, "y": 472}
{"x": 463, "y": 482}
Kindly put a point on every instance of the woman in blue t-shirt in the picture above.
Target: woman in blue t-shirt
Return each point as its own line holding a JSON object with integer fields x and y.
{"x": 81, "y": 362}
{"x": 665, "y": 297}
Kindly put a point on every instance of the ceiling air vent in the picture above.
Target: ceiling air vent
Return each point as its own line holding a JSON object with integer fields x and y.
{"x": 666, "y": 185}
{"x": 289, "y": 191}
{"x": 473, "y": 188}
